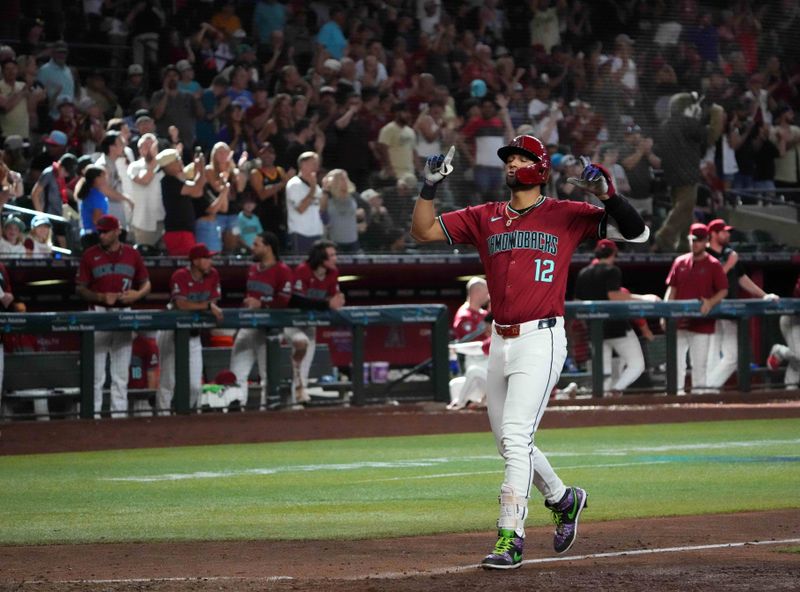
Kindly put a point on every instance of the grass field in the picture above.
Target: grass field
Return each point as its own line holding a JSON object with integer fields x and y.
{"x": 378, "y": 487}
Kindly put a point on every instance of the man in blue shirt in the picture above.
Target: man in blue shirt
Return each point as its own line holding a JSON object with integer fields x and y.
{"x": 56, "y": 76}
{"x": 269, "y": 16}
{"x": 331, "y": 37}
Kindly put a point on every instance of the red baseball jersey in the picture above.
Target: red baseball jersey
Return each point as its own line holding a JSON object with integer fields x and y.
{"x": 309, "y": 285}
{"x": 144, "y": 358}
{"x": 467, "y": 320}
{"x": 114, "y": 272}
{"x": 694, "y": 279}
{"x": 526, "y": 261}
{"x": 271, "y": 285}
{"x": 184, "y": 286}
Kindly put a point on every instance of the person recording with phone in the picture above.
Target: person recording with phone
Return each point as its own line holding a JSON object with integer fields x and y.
{"x": 178, "y": 193}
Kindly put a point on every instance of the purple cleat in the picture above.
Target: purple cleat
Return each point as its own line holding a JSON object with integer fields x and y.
{"x": 565, "y": 516}
{"x": 507, "y": 552}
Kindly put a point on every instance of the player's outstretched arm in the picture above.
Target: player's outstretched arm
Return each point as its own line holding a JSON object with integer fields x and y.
{"x": 424, "y": 226}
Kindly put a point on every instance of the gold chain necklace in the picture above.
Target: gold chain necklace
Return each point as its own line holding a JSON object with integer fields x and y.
{"x": 508, "y": 210}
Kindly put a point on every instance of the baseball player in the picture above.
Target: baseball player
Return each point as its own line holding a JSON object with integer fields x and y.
{"x": 197, "y": 288}
{"x": 525, "y": 245}
{"x": 696, "y": 275}
{"x": 603, "y": 281}
{"x": 269, "y": 285}
{"x": 6, "y": 300}
{"x": 723, "y": 350}
{"x": 316, "y": 286}
{"x": 469, "y": 326}
{"x": 111, "y": 276}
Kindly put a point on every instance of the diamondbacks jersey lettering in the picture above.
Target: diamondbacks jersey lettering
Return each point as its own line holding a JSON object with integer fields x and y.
{"x": 184, "y": 286}
{"x": 526, "y": 257}
{"x": 467, "y": 321}
{"x": 309, "y": 285}
{"x": 271, "y": 285}
{"x": 692, "y": 280}
{"x": 114, "y": 272}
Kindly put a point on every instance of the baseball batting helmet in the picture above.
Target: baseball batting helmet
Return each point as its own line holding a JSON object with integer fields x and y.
{"x": 537, "y": 173}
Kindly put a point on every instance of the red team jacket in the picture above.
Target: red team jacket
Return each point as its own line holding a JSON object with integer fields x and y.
{"x": 308, "y": 285}
{"x": 693, "y": 280}
{"x": 271, "y": 285}
{"x": 184, "y": 286}
{"x": 114, "y": 272}
{"x": 527, "y": 262}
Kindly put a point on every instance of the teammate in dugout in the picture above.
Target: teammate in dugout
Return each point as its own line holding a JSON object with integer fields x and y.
{"x": 192, "y": 288}
{"x": 270, "y": 284}
{"x": 316, "y": 285}
{"x": 112, "y": 276}
{"x": 723, "y": 350}
{"x": 525, "y": 245}
{"x": 603, "y": 281}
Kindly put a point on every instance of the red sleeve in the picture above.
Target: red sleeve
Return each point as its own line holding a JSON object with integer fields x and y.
{"x": 796, "y": 293}
{"x": 463, "y": 226}
{"x": 671, "y": 277}
{"x": 587, "y": 220}
{"x": 333, "y": 288}
{"x": 283, "y": 288}
{"x": 149, "y": 355}
{"x": 140, "y": 275}
{"x": 178, "y": 287}
{"x": 84, "y": 270}
{"x": 300, "y": 280}
{"x": 6, "y": 279}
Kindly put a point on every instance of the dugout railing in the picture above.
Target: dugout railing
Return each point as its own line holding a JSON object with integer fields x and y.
{"x": 598, "y": 311}
{"x": 183, "y": 323}
{"x": 595, "y": 313}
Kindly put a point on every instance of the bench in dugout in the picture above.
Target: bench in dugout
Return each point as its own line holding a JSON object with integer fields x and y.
{"x": 42, "y": 385}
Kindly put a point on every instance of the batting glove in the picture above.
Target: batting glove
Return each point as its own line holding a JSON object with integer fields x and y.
{"x": 438, "y": 167}
{"x": 595, "y": 179}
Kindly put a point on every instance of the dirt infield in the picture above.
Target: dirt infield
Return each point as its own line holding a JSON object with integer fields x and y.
{"x": 636, "y": 555}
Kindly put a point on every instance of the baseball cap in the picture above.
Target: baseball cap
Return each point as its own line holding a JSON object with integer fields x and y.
{"x": 107, "y": 223}
{"x": 225, "y": 377}
{"x": 183, "y": 65}
{"x": 605, "y": 244}
{"x": 15, "y": 142}
{"x": 56, "y": 138}
{"x": 135, "y": 70}
{"x": 368, "y": 194}
{"x": 59, "y": 46}
{"x": 240, "y": 34}
{"x": 40, "y": 219}
{"x": 477, "y": 88}
{"x": 69, "y": 162}
{"x": 64, "y": 100}
{"x": 698, "y": 231}
{"x": 718, "y": 225}
{"x": 332, "y": 64}
{"x": 242, "y": 102}
{"x": 167, "y": 157}
{"x": 199, "y": 251}
{"x": 16, "y": 221}
{"x": 327, "y": 90}
{"x": 623, "y": 38}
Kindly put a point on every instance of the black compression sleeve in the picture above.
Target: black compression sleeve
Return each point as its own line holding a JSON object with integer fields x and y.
{"x": 628, "y": 220}
{"x": 304, "y": 303}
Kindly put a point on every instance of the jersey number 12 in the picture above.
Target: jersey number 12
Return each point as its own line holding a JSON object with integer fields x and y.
{"x": 544, "y": 270}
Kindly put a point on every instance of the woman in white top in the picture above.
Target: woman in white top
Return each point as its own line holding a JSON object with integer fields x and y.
{"x": 430, "y": 127}
{"x": 11, "y": 244}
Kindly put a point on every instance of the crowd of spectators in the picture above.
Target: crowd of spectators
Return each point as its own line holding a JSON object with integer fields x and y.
{"x": 314, "y": 119}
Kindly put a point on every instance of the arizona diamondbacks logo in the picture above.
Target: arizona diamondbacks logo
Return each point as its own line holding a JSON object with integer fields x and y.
{"x": 523, "y": 239}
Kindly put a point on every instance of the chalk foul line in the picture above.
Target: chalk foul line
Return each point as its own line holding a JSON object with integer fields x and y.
{"x": 393, "y": 575}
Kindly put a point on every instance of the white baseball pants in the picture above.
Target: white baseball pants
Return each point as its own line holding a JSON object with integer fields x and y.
{"x": 697, "y": 346}
{"x": 249, "y": 347}
{"x": 790, "y": 329}
{"x": 472, "y": 386}
{"x": 301, "y": 371}
{"x": 166, "y": 384}
{"x": 117, "y": 345}
{"x": 629, "y": 351}
{"x": 522, "y": 371}
{"x": 723, "y": 352}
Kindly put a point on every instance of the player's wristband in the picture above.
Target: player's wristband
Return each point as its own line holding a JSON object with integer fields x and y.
{"x": 428, "y": 191}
